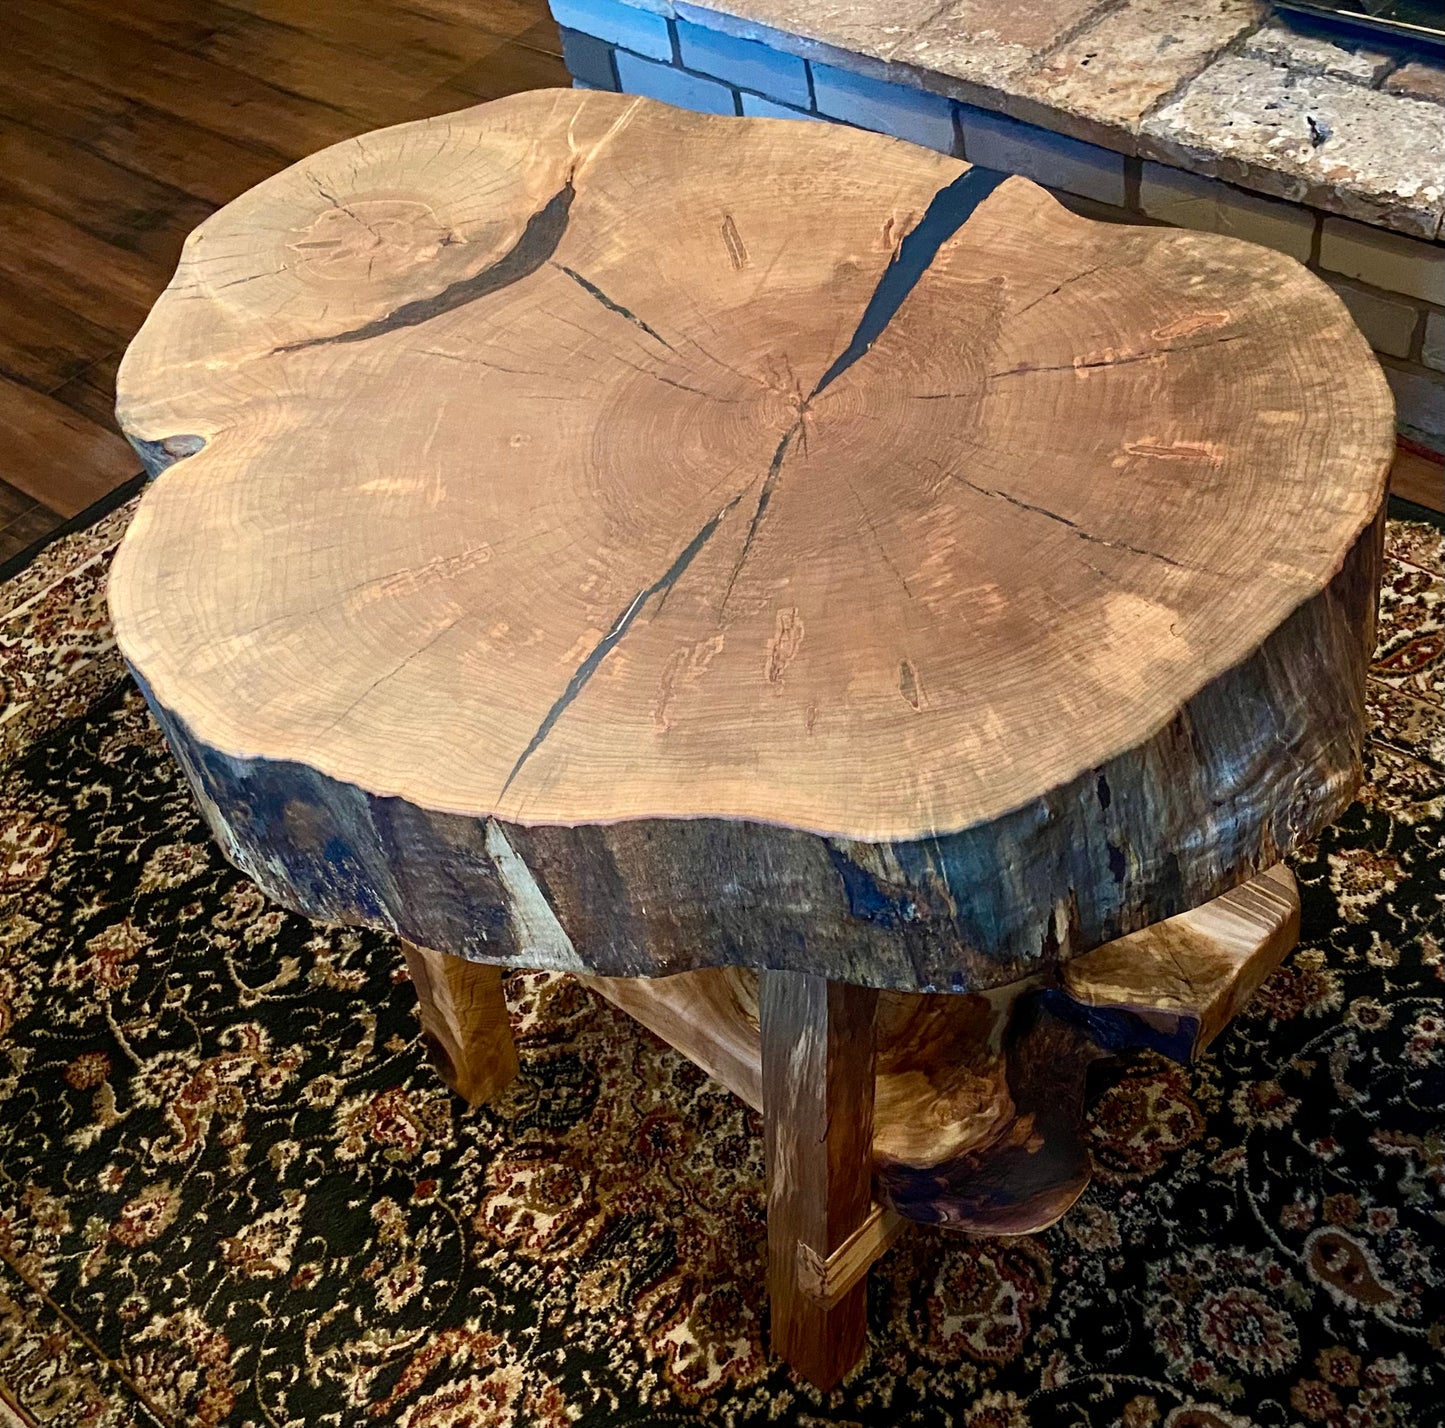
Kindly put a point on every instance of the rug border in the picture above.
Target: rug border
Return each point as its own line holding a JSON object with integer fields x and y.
{"x": 12, "y": 565}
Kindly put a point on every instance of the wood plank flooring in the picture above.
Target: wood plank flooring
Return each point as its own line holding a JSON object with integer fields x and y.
{"x": 124, "y": 123}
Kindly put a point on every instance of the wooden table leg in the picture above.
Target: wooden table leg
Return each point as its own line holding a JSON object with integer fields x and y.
{"x": 818, "y": 1072}
{"x": 464, "y": 1022}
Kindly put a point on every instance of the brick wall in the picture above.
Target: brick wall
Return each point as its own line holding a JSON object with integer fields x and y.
{"x": 1394, "y": 285}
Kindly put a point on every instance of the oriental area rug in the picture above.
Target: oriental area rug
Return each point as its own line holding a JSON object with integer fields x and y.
{"x": 232, "y": 1192}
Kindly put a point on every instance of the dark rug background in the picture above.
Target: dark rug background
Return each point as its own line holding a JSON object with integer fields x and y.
{"x": 232, "y": 1192}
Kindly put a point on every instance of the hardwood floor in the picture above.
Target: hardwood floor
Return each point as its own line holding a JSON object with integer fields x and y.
{"x": 124, "y": 123}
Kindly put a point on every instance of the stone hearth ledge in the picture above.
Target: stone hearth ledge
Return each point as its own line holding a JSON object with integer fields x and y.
{"x": 1216, "y": 88}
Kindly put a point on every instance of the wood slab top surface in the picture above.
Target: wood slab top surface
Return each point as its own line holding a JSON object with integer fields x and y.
{"x": 576, "y": 461}
{"x": 542, "y": 477}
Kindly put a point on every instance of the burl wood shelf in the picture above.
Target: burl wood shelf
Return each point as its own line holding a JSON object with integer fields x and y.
{"x": 877, "y": 627}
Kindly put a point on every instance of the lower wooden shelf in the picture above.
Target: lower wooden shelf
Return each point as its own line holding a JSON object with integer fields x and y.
{"x": 979, "y": 1098}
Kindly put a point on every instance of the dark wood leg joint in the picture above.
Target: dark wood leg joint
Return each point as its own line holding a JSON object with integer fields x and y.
{"x": 464, "y": 1022}
{"x": 818, "y": 1081}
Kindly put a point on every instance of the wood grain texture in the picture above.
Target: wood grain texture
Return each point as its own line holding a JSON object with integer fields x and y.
{"x": 817, "y": 1060}
{"x": 980, "y": 1110}
{"x": 907, "y": 581}
{"x": 40, "y": 347}
{"x": 829, "y": 1279}
{"x": 711, "y": 1016}
{"x": 959, "y": 1110}
{"x": 1418, "y": 478}
{"x": 464, "y": 1022}
{"x": 1176, "y": 986}
{"x": 22, "y": 522}
{"x": 979, "y": 1099}
{"x": 191, "y": 101}
{"x": 56, "y": 456}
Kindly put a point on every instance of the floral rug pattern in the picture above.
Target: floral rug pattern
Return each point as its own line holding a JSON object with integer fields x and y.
{"x": 232, "y": 1192}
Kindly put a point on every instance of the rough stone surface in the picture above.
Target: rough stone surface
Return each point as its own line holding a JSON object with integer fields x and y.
{"x": 1418, "y": 81}
{"x": 1307, "y": 51}
{"x": 1100, "y": 84}
{"x": 1213, "y": 207}
{"x": 1310, "y": 138}
{"x": 1385, "y": 260}
{"x": 1388, "y": 326}
{"x": 985, "y": 43}
{"x": 1165, "y": 79}
{"x": 1419, "y": 405}
{"x": 872, "y": 28}
{"x": 1047, "y": 158}
{"x": 1432, "y": 353}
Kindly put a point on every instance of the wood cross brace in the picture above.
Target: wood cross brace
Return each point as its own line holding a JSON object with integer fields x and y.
{"x": 827, "y": 1279}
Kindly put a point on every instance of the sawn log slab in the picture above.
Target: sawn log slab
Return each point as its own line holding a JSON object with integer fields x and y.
{"x": 778, "y": 544}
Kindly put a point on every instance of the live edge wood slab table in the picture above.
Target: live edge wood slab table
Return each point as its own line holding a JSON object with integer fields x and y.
{"x": 878, "y": 628}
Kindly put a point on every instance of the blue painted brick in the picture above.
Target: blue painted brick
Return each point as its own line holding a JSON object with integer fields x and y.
{"x": 673, "y": 86}
{"x": 744, "y": 62}
{"x": 638, "y": 30}
{"x": 589, "y": 60}
{"x": 998, "y": 142}
{"x": 911, "y": 114}
{"x": 761, "y": 108}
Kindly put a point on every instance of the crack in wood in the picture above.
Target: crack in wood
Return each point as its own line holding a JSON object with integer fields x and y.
{"x": 947, "y": 212}
{"x": 1074, "y": 526}
{"x": 877, "y": 538}
{"x": 1123, "y": 360}
{"x": 590, "y": 287}
{"x": 447, "y": 627}
{"x": 481, "y": 362}
{"x": 670, "y": 381}
{"x": 350, "y": 212}
{"x": 950, "y": 208}
{"x": 620, "y": 626}
{"x": 733, "y": 241}
{"x": 765, "y": 496}
{"x": 536, "y": 245}
{"x": 1057, "y": 288}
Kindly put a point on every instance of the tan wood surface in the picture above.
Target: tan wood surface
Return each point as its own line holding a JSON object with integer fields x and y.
{"x": 1121, "y": 475}
{"x": 711, "y": 1016}
{"x": 957, "y": 582}
{"x": 1185, "y": 979}
{"x": 817, "y": 1059}
{"x": 464, "y": 1022}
